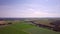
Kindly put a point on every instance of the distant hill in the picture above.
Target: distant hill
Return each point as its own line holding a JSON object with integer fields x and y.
{"x": 29, "y": 19}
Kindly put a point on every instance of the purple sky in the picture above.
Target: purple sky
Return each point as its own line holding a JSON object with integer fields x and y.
{"x": 29, "y": 8}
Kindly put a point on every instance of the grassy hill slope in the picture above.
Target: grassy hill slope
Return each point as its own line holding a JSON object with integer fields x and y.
{"x": 24, "y": 28}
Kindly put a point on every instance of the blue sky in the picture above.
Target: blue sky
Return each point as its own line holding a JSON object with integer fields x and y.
{"x": 29, "y": 8}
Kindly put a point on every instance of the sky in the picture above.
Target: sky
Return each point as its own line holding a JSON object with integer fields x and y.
{"x": 29, "y": 8}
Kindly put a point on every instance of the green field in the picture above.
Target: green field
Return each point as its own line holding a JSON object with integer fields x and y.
{"x": 25, "y": 28}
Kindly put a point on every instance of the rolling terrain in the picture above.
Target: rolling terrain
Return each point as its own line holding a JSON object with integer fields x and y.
{"x": 23, "y": 27}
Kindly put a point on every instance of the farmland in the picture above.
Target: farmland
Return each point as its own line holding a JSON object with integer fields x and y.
{"x": 23, "y": 27}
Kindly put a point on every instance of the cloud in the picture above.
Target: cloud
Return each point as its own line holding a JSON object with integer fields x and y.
{"x": 28, "y": 10}
{"x": 41, "y": 14}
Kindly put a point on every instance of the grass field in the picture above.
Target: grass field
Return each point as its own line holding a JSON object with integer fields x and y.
{"x": 24, "y": 28}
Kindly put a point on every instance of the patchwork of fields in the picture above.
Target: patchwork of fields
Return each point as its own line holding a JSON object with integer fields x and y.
{"x": 25, "y": 28}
